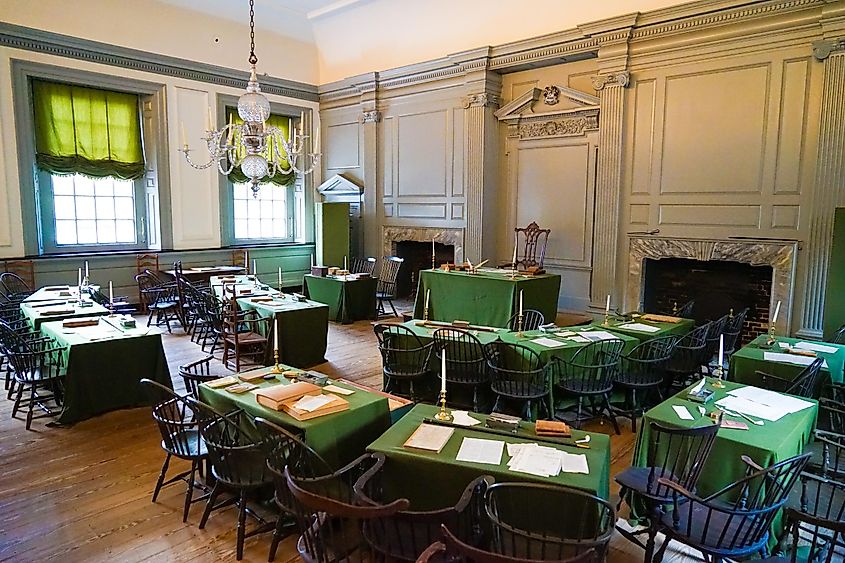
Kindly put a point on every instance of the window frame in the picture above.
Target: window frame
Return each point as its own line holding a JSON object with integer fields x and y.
{"x": 289, "y": 211}
{"x": 35, "y": 218}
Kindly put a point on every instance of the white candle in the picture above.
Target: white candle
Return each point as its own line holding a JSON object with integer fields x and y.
{"x": 254, "y": 269}
{"x": 276, "y": 334}
{"x": 777, "y": 310}
{"x": 443, "y": 372}
{"x": 721, "y": 350}
{"x": 344, "y": 263}
{"x": 607, "y": 305}
{"x": 427, "y": 295}
{"x": 79, "y": 278}
{"x": 86, "y": 268}
{"x": 520, "y": 301}
{"x": 280, "y": 277}
{"x": 513, "y": 261}
{"x": 111, "y": 294}
{"x": 432, "y": 247}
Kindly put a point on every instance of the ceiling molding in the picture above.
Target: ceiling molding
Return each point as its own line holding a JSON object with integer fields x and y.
{"x": 332, "y": 8}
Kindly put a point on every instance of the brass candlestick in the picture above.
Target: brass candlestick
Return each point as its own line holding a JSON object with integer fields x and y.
{"x": 519, "y": 325}
{"x": 770, "y": 341}
{"x": 425, "y": 314}
{"x": 606, "y": 318}
{"x": 433, "y": 264}
{"x": 443, "y": 415}
{"x": 717, "y": 373}
{"x": 276, "y": 368}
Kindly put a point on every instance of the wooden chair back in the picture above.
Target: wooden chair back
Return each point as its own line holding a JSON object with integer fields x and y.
{"x": 403, "y": 354}
{"x": 531, "y": 320}
{"x": 388, "y": 273}
{"x": 591, "y": 369}
{"x": 532, "y": 240}
{"x": 516, "y": 371}
{"x": 646, "y": 363}
{"x": 363, "y": 265}
{"x": 466, "y": 362}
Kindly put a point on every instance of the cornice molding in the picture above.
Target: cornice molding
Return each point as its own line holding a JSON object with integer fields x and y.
{"x": 36, "y": 40}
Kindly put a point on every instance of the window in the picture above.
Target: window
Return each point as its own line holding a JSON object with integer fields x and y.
{"x": 90, "y": 161}
{"x": 262, "y": 217}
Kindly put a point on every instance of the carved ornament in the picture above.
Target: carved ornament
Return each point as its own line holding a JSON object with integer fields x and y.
{"x": 551, "y": 95}
{"x": 613, "y": 79}
{"x": 823, "y": 49}
{"x": 371, "y": 116}
{"x": 563, "y": 126}
{"x": 480, "y": 100}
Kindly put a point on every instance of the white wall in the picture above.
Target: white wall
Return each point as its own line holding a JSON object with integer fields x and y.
{"x": 383, "y": 34}
{"x": 158, "y": 27}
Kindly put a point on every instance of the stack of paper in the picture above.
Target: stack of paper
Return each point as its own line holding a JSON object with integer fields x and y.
{"x": 544, "y": 461}
{"x": 816, "y": 347}
{"x": 429, "y": 437}
{"x": 310, "y": 403}
{"x": 790, "y": 359}
{"x": 640, "y": 327}
{"x": 595, "y": 335}
{"x": 463, "y": 418}
{"x": 477, "y": 450}
{"x": 762, "y": 403}
{"x": 548, "y": 342}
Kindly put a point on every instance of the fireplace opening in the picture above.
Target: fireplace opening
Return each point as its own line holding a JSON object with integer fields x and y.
{"x": 717, "y": 286}
{"x": 417, "y": 257}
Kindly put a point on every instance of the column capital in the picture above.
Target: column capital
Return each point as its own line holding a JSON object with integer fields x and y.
{"x": 370, "y": 116}
{"x": 824, "y": 48}
{"x": 482, "y": 99}
{"x": 622, "y": 79}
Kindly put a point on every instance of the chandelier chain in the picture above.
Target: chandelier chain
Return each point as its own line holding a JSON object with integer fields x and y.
{"x": 252, "y": 58}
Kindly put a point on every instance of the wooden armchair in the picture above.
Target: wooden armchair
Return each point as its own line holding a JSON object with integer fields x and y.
{"x": 242, "y": 335}
{"x": 532, "y": 240}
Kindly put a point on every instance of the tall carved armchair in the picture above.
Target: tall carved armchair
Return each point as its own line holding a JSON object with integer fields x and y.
{"x": 531, "y": 244}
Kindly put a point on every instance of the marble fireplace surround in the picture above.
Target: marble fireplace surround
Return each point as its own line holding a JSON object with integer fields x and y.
{"x": 781, "y": 255}
{"x": 393, "y": 235}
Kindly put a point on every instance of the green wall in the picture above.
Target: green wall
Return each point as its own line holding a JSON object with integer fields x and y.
{"x": 834, "y": 301}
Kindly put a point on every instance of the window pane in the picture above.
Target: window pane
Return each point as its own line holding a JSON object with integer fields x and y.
{"x": 105, "y": 208}
{"x": 254, "y": 228}
{"x": 240, "y": 209}
{"x": 264, "y": 217}
{"x": 278, "y": 229}
{"x": 63, "y": 185}
{"x": 103, "y": 186}
{"x": 125, "y": 231}
{"x": 64, "y": 207}
{"x": 124, "y": 208}
{"x": 241, "y": 191}
{"x": 65, "y": 232}
{"x": 241, "y": 228}
{"x": 105, "y": 232}
{"x": 87, "y": 231}
{"x": 266, "y": 228}
{"x": 85, "y": 208}
{"x": 123, "y": 188}
{"x": 84, "y": 185}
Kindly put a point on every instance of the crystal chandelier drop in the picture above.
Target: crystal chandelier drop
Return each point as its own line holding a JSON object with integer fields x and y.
{"x": 258, "y": 149}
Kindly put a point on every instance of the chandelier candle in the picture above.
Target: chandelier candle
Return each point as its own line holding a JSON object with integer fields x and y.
{"x": 280, "y": 279}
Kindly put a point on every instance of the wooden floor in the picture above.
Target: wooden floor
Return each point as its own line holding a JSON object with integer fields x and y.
{"x": 83, "y": 493}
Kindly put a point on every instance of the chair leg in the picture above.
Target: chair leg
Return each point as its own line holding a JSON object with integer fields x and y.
{"x": 634, "y": 411}
{"x": 161, "y": 476}
{"x": 209, "y": 504}
{"x": 31, "y": 406}
{"x": 18, "y": 397}
{"x": 395, "y": 314}
{"x": 190, "y": 492}
{"x": 241, "y": 525}
{"x": 278, "y": 535}
{"x": 610, "y": 414}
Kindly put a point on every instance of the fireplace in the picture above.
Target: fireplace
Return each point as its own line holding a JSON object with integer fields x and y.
{"x": 717, "y": 286}
{"x": 417, "y": 257}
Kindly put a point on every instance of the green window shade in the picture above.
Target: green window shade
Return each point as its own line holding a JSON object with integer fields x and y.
{"x": 87, "y": 131}
{"x": 280, "y": 178}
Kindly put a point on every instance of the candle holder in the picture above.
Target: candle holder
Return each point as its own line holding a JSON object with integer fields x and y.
{"x": 276, "y": 368}
{"x": 425, "y": 314}
{"x": 770, "y": 341}
{"x": 443, "y": 415}
{"x": 513, "y": 274}
{"x": 519, "y": 325}
{"x": 433, "y": 260}
{"x": 85, "y": 283}
{"x": 606, "y": 318}
{"x": 717, "y": 373}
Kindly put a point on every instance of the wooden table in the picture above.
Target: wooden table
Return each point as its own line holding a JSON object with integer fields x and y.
{"x": 39, "y": 312}
{"x": 104, "y": 366}
{"x": 350, "y": 298}
{"x": 57, "y": 293}
{"x": 204, "y": 274}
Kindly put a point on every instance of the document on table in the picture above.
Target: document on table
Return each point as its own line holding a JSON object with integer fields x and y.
{"x": 816, "y": 347}
{"x": 548, "y": 342}
{"x": 595, "y": 335}
{"x": 310, "y": 403}
{"x": 790, "y": 359}
{"x": 477, "y": 450}
{"x": 751, "y": 408}
{"x": 536, "y": 460}
{"x": 574, "y": 463}
{"x": 339, "y": 390}
{"x": 429, "y": 437}
{"x": 771, "y": 399}
{"x": 640, "y": 327}
{"x": 682, "y": 412}
{"x": 462, "y": 418}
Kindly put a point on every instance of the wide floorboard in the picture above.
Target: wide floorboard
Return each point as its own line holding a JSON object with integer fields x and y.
{"x": 83, "y": 493}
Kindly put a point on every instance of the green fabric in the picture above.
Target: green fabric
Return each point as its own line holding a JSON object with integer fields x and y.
{"x": 348, "y": 300}
{"x": 488, "y": 298}
{"x": 666, "y": 329}
{"x": 303, "y": 330}
{"x": 280, "y": 178}
{"x": 105, "y": 375}
{"x": 56, "y": 293}
{"x": 749, "y": 359}
{"x": 834, "y": 305}
{"x": 87, "y": 131}
{"x": 331, "y": 229}
{"x": 766, "y": 445}
{"x": 434, "y": 480}
{"x": 37, "y": 315}
{"x": 339, "y": 438}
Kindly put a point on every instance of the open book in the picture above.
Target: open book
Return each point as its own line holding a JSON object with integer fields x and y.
{"x": 273, "y": 397}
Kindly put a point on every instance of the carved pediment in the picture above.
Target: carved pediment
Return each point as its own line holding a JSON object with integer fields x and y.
{"x": 553, "y": 100}
{"x": 340, "y": 185}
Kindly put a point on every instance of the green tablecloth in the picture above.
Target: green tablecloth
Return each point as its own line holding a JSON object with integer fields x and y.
{"x": 303, "y": 329}
{"x": 750, "y": 358}
{"x": 244, "y": 285}
{"x": 37, "y": 314}
{"x": 432, "y": 480}
{"x": 767, "y": 444}
{"x": 665, "y": 329}
{"x": 338, "y": 437}
{"x": 57, "y": 292}
{"x": 487, "y": 298}
{"x": 104, "y": 367}
{"x": 348, "y": 299}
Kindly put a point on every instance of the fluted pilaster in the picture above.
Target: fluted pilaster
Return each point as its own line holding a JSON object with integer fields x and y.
{"x": 478, "y": 148}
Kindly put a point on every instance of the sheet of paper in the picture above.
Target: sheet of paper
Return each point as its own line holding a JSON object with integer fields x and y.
{"x": 682, "y": 412}
{"x": 537, "y": 460}
{"x": 789, "y": 359}
{"x": 640, "y": 327}
{"x": 429, "y": 437}
{"x": 548, "y": 342}
{"x": 739, "y": 404}
{"x": 816, "y": 347}
{"x": 477, "y": 450}
{"x": 567, "y": 333}
{"x": 579, "y": 339}
{"x": 698, "y": 387}
{"x": 574, "y": 463}
{"x": 595, "y": 335}
{"x": 771, "y": 399}
{"x": 463, "y": 418}
{"x": 338, "y": 390}
{"x": 514, "y": 449}
{"x": 310, "y": 403}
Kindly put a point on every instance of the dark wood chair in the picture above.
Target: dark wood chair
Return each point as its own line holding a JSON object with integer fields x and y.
{"x": 532, "y": 240}
{"x": 529, "y": 521}
{"x": 386, "y": 287}
{"x": 195, "y": 373}
{"x": 363, "y": 266}
{"x": 685, "y": 310}
{"x": 643, "y": 370}
{"x": 14, "y": 287}
{"x": 406, "y": 534}
{"x": 589, "y": 375}
{"x": 451, "y": 549}
{"x": 180, "y": 438}
{"x": 677, "y": 454}
{"x": 518, "y": 376}
{"x": 733, "y": 522}
{"x": 160, "y": 299}
{"x": 838, "y": 337}
{"x": 466, "y": 364}
{"x": 820, "y": 540}
{"x": 733, "y": 332}
{"x": 119, "y": 304}
{"x": 404, "y": 359}
{"x": 713, "y": 334}
{"x": 805, "y": 384}
{"x": 237, "y": 465}
{"x": 35, "y": 367}
{"x": 684, "y": 366}
{"x": 828, "y": 451}
{"x": 328, "y": 516}
{"x": 23, "y": 269}
{"x": 243, "y": 336}
{"x": 531, "y": 320}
